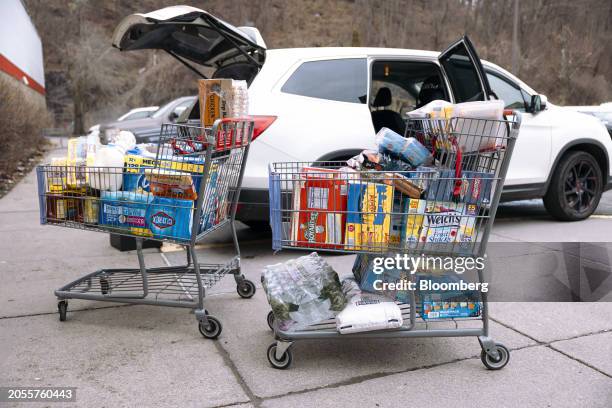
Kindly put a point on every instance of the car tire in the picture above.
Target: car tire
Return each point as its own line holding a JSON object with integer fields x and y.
{"x": 575, "y": 187}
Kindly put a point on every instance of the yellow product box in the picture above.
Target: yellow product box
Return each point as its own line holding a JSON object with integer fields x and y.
{"x": 215, "y": 96}
{"x": 368, "y": 221}
{"x": 415, "y": 209}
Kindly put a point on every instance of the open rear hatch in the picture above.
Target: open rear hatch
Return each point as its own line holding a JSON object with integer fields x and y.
{"x": 193, "y": 35}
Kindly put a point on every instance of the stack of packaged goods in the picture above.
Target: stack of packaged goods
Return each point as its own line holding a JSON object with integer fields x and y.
{"x": 145, "y": 189}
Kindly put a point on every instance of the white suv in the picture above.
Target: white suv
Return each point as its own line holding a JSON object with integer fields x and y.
{"x": 327, "y": 104}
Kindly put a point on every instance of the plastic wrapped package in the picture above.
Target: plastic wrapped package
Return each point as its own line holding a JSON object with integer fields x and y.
{"x": 408, "y": 149}
{"x": 366, "y": 311}
{"x": 302, "y": 291}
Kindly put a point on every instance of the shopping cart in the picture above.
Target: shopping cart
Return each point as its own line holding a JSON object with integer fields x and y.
{"x": 444, "y": 210}
{"x": 185, "y": 190}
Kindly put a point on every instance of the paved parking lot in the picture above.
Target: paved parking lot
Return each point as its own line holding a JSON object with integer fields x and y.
{"x": 120, "y": 355}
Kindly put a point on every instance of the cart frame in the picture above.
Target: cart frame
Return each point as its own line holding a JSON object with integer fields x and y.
{"x": 494, "y": 355}
{"x": 226, "y": 143}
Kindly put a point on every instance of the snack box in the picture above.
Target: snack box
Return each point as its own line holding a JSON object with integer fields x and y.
{"x": 171, "y": 184}
{"x": 146, "y": 215}
{"x": 136, "y": 162}
{"x": 368, "y": 221}
{"x": 448, "y": 222}
{"x": 415, "y": 210}
{"x": 321, "y": 200}
{"x": 398, "y": 220}
{"x": 447, "y": 304}
{"x": 215, "y": 96}
{"x": 475, "y": 186}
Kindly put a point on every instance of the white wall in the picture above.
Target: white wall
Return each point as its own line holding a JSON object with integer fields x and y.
{"x": 19, "y": 41}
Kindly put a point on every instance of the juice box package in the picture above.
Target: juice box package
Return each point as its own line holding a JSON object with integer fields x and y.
{"x": 146, "y": 215}
{"x": 321, "y": 200}
{"x": 448, "y": 222}
{"x": 449, "y": 303}
{"x": 368, "y": 221}
{"x": 215, "y": 99}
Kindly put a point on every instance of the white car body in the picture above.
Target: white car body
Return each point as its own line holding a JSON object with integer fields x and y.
{"x": 310, "y": 128}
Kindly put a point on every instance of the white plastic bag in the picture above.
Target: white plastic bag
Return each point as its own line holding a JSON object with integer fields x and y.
{"x": 366, "y": 311}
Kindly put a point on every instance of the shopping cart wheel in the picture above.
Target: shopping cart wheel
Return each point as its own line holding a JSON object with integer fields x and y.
{"x": 271, "y": 320}
{"x": 62, "y": 308}
{"x": 246, "y": 289}
{"x": 213, "y": 330}
{"x": 285, "y": 360}
{"x": 499, "y": 363}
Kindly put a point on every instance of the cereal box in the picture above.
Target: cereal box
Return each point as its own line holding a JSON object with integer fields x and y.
{"x": 321, "y": 198}
{"x": 368, "y": 222}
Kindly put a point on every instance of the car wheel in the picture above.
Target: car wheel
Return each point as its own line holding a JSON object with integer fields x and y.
{"x": 575, "y": 187}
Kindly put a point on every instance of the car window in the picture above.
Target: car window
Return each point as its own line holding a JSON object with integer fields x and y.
{"x": 138, "y": 115}
{"x": 462, "y": 76}
{"x": 507, "y": 91}
{"x": 343, "y": 80}
{"x": 167, "y": 108}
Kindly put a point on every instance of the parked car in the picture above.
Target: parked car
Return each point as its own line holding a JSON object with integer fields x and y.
{"x": 136, "y": 113}
{"x": 146, "y": 126}
{"x": 602, "y": 112}
{"x": 326, "y": 103}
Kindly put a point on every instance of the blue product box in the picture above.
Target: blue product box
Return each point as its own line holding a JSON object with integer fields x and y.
{"x": 170, "y": 218}
{"x": 146, "y": 215}
{"x": 475, "y": 187}
{"x": 449, "y": 303}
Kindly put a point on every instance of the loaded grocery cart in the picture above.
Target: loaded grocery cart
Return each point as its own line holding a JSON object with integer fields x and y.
{"x": 179, "y": 191}
{"x": 432, "y": 193}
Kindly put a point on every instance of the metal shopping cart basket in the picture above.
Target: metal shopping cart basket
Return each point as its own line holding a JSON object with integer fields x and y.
{"x": 445, "y": 210}
{"x": 181, "y": 193}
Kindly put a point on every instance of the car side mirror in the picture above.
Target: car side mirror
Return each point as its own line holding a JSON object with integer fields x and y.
{"x": 538, "y": 103}
{"x": 173, "y": 116}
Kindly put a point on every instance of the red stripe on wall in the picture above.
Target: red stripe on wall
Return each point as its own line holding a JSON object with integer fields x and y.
{"x": 14, "y": 71}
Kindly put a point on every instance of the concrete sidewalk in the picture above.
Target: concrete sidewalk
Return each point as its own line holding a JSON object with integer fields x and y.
{"x": 120, "y": 355}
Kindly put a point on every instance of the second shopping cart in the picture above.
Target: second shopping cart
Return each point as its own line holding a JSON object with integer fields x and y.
{"x": 180, "y": 192}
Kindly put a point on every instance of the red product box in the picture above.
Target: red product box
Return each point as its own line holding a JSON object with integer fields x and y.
{"x": 319, "y": 204}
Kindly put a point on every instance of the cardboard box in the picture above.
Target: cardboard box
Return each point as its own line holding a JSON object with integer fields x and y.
{"x": 414, "y": 222}
{"x": 215, "y": 99}
{"x": 448, "y": 222}
{"x": 368, "y": 223}
{"x": 448, "y": 304}
{"x": 321, "y": 198}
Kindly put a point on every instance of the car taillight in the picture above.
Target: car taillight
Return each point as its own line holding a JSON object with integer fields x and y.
{"x": 262, "y": 122}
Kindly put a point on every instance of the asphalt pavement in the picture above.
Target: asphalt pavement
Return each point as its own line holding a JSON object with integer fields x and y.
{"x": 120, "y": 355}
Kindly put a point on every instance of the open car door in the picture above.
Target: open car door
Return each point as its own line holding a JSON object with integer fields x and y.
{"x": 464, "y": 72}
{"x": 193, "y": 35}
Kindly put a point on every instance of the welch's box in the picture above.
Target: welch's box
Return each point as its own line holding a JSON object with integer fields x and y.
{"x": 146, "y": 215}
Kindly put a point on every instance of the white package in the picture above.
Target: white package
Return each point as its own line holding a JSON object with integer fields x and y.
{"x": 491, "y": 129}
{"x": 366, "y": 311}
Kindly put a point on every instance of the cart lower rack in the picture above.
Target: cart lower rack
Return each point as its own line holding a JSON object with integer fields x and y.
{"x": 442, "y": 209}
{"x": 180, "y": 193}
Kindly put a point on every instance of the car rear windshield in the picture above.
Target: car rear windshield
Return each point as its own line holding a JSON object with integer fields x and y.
{"x": 343, "y": 80}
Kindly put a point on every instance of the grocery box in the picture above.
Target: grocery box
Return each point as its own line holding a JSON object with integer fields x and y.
{"x": 475, "y": 187}
{"x": 415, "y": 210}
{"x": 449, "y": 303}
{"x": 215, "y": 99}
{"x": 368, "y": 221}
{"x": 146, "y": 215}
{"x": 448, "y": 222}
{"x": 321, "y": 200}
